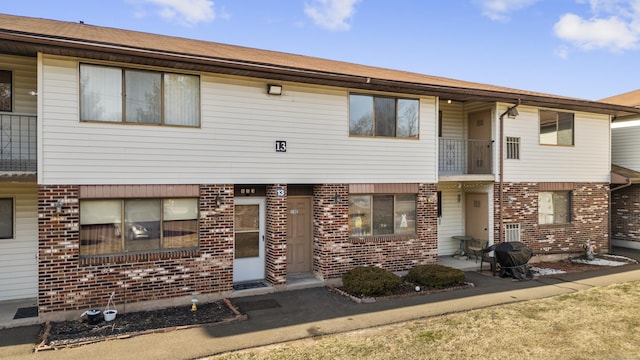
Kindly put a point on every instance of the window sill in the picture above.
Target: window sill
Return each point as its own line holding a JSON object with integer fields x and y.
{"x": 555, "y": 226}
{"x": 380, "y": 238}
{"x": 138, "y": 257}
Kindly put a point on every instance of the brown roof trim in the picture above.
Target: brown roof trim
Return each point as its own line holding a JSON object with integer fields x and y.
{"x": 72, "y": 39}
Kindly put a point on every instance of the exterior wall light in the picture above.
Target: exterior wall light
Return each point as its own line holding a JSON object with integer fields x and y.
{"x": 58, "y": 206}
{"x": 274, "y": 89}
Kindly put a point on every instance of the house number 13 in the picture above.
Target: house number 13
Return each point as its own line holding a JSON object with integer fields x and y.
{"x": 281, "y": 146}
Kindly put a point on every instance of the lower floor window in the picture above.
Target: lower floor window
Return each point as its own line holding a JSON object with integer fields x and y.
{"x": 382, "y": 214}
{"x": 6, "y": 218}
{"x": 135, "y": 225}
{"x": 554, "y": 207}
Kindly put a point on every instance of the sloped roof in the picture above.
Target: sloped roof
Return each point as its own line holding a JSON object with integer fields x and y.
{"x": 27, "y": 36}
{"x": 623, "y": 175}
{"x": 631, "y": 98}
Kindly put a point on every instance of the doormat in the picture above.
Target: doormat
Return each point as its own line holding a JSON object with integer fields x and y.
{"x": 256, "y": 305}
{"x": 26, "y": 312}
{"x": 249, "y": 285}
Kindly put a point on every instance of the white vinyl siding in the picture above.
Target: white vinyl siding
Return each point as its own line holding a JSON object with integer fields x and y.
{"x": 236, "y": 141}
{"x": 18, "y": 263}
{"x": 626, "y": 146}
{"x": 586, "y": 161}
{"x": 452, "y": 221}
{"x": 453, "y": 120}
{"x": 24, "y": 82}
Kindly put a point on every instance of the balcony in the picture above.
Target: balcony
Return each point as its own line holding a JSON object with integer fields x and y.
{"x": 18, "y": 143}
{"x": 462, "y": 157}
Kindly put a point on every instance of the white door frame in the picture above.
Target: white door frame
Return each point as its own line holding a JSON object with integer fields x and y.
{"x": 247, "y": 269}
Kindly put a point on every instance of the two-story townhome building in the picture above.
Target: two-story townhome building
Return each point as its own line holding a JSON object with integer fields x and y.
{"x": 164, "y": 168}
{"x": 625, "y": 173}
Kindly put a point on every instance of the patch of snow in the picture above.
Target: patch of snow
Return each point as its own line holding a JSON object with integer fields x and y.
{"x": 598, "y": 261}
{"x": 546, "y": 271}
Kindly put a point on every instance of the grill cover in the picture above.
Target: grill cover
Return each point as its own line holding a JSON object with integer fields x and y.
{"x": 513, "y": 258}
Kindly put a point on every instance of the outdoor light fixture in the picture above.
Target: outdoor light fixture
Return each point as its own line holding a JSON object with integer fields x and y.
{"x": 336, "y": 198}
{"x": 218, "y": 200}
{"x": 274, "y": 89}
{"x": 512, "y": 112}
{"x": 58, "y": 206}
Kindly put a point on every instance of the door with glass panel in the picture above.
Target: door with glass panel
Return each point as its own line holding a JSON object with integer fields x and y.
{"x": 249, "y": 220}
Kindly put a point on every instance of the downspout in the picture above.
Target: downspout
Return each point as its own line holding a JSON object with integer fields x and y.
{"x": 501, "y": 183}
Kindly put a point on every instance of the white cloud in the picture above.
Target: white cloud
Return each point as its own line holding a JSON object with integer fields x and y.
{"x": 614, "y": 25}
{"x": 186, "y": 12}
{"x": 331, "y": 14}
{"x": 499, "y": 10}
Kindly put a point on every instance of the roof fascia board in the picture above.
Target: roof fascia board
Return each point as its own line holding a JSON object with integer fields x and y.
{"x": 269, "y": 71}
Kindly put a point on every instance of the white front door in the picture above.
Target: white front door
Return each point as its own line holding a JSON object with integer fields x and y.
{"x": 249, "y": 221}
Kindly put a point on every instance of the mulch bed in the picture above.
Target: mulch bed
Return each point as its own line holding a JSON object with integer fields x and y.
{"x": 58, "y": 335}
{"x": 406, "y": 290}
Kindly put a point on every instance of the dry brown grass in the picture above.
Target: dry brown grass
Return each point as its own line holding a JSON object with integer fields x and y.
{"x": 600, "y": 323}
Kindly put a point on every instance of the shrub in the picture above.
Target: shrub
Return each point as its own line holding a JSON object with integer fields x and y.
{"x": 435, "y": 276}
{"x": 370, "y": 281}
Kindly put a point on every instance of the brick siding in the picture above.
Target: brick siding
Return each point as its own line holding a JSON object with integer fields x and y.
{"x": 335, "y": 252}
{"x": 589, "y": 218}
{"x": 68, "y": 282}
{"x": 625, "y": 212}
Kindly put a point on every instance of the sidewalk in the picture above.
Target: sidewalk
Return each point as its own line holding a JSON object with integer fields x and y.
{"x": 287, "y": 316}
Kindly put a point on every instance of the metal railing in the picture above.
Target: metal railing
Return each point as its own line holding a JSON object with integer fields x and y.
{"x": 18, "y": 143}
{"x": 462, "y": 156}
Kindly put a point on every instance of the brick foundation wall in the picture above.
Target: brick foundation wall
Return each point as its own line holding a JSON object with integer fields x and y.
{"x": 625, "y": 213}
{"x": 589, "y": 218}
{"x": 335, "y": 252}
{"x": 68, "y": 282}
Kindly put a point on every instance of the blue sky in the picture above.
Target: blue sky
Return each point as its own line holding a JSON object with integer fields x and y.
{"x": 587, "y": 49}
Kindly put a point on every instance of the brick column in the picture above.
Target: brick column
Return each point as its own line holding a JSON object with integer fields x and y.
{"x": 276, "y": 235}
{"x": 58, "y": 243}
{"x": 427, "y": 224}
{"x": 215, "y": 265}
{"x": 331, "y": 230}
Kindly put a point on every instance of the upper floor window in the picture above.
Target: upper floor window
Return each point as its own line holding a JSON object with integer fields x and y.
{"x": 113, "y": 226}
{"x": 554, "y": 207}
{"x": 6, "y": 218}
{"x": 513, "y": 147}
{"x": 383, "y": 116}
{"x": 556, "y": 128}
{"x": 382, "y": 214}
{"x": 6, "y": 90}
{"x": 138, "y": 96}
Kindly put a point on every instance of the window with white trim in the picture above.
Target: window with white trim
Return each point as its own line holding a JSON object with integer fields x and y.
{"x": 382, "y": 214}
{"x": 113, "y": 94}
{"x": 113, "y": 226}
{"x": 513, "y": 147}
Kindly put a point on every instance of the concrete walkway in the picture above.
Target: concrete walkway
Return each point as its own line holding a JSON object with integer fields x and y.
{"x": 287, "y": 316}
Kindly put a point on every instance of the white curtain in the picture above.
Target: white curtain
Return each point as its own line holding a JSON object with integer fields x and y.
{"x": 181, "y": 100}
{"x": 100, "y": 93}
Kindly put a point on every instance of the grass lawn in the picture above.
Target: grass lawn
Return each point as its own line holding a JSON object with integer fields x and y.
{"x": 600, "y": 323}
